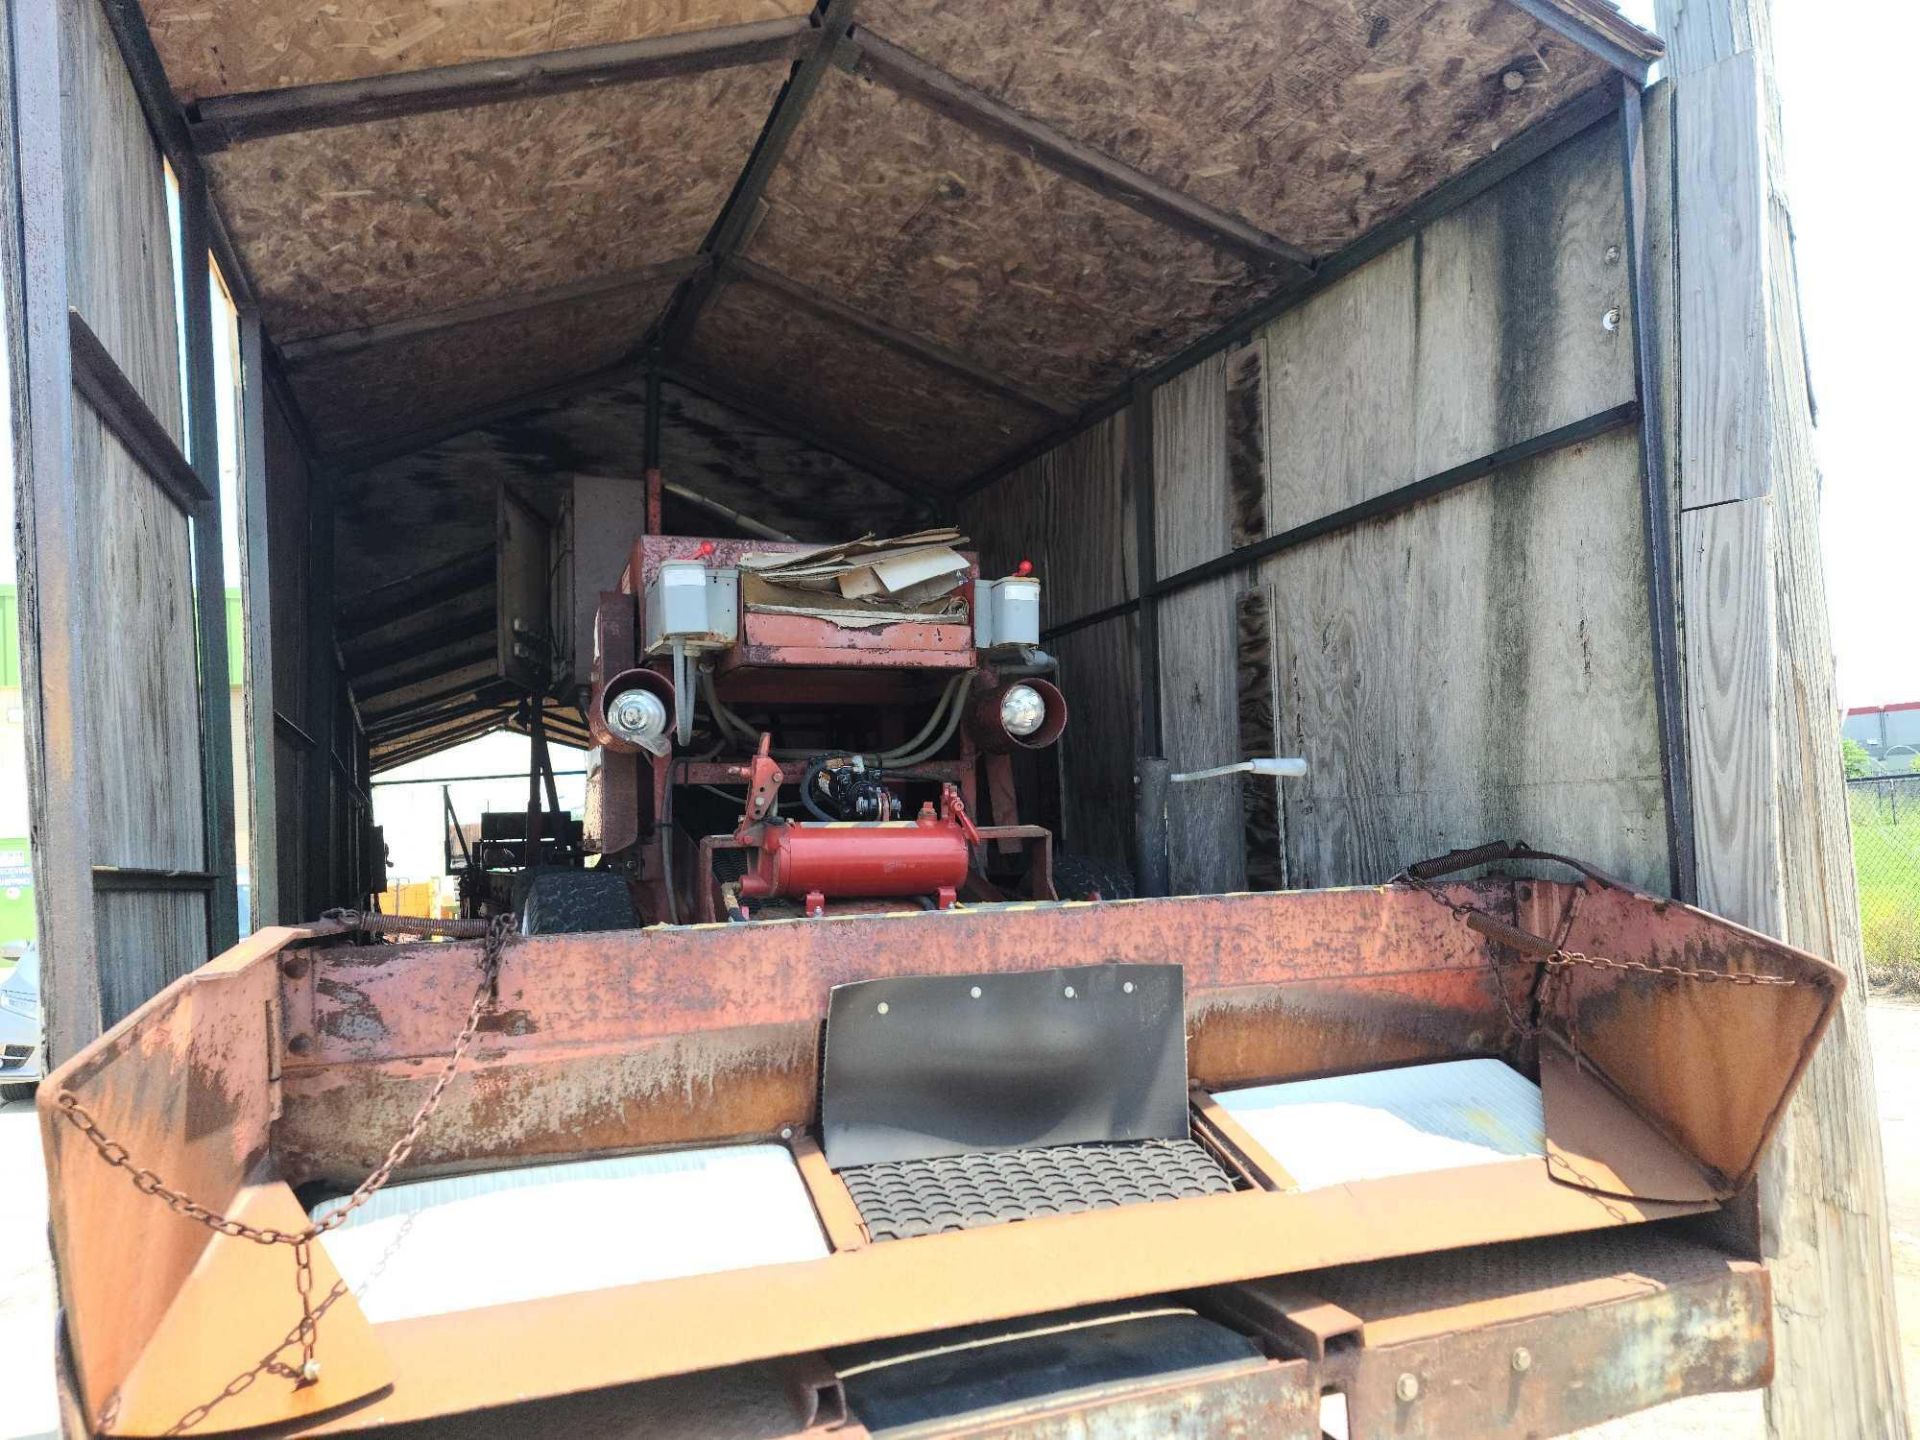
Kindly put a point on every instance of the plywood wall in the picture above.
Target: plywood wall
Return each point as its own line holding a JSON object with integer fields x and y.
{"x": 1070, "y": 512}
{"x": 1475, "y": 668}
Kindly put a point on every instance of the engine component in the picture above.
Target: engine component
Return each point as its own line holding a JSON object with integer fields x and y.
{"x": 636, "y": 711}
{"x": 1028, "y": 714}
{"x": 1006, "y": 613}
{"x": 855, "y": 793}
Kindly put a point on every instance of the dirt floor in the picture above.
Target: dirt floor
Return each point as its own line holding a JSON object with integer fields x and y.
{"x": 26, "y": 1284}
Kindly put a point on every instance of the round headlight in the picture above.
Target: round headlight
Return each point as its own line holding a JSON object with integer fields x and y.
{"x": 637, "y": 716}
{"x": 1022, "y": 710}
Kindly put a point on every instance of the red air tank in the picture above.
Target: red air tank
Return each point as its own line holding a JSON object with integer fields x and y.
{"x": 869, "y": 859}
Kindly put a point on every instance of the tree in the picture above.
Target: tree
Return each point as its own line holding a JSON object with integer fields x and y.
{"x": 1854, "y": 759}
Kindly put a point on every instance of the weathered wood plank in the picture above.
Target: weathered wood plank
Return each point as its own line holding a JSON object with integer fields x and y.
{"x": 1097, "y": 675}
{"x": 144, "y": 713}
{"x": 119, "y": 260}
{"x": 1822, "y": 1214}
{"x": 1263, "y": 841}
{"x": 1191, "y": 506}
{"x": 1726, "y": 558}
{"x": 1199, "y": 728}
{"x": 1524, "y": 307}
{"x": 56, "y": 598}
{"x": 1340, "y": 393}
{"x": 1475, "y": 668}
{"x": 1724, "y": 331}
{"x": 1071, "y": 513}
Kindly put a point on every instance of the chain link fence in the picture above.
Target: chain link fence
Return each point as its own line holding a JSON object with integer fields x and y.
{"x": 1884, "y": 811}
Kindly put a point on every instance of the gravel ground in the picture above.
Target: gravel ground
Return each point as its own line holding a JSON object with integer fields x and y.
{"x": 26, "y": 1282}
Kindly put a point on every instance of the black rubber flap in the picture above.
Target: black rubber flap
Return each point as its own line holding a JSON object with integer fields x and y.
{"x": 927, "y": 1066}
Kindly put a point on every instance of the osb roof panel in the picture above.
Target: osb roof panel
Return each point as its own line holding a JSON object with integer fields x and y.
{"x": 914, "y": 220}
{"x": 920, "y": 420}
{"x": 368, "y": 223}
{"x": 410, "y": 514}
{"x": 428, "y": 380}
{"x": 1313, "y": 119}
{"x": 211, "y": 48}
{"x": 761, "y": 472}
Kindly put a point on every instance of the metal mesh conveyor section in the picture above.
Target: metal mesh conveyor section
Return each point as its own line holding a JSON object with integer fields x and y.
{"x": 899, "y": 1199}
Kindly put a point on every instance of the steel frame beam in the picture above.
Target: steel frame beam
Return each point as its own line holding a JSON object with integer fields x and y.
{"x": 440, "y": 665}
{"x": 480, "y": 625}
{"x": 123, "y": 410}
{"x": 1377, "y": 507}
{"x": 741, "y": 212}
{"x": 1656, "y": 500}
{"x": 913, "y": 78}
{"x": 914, "y": 347}
{"x": 1571, "y": 120}
{"x": 398, "y": 599}
{"x": 224, "y": 120}
{"x": 296, "y": 354}
{"x": 692, "y": 377}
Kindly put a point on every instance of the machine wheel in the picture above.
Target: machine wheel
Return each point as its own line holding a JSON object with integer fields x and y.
{"x": 1082, "y": 877}
{"x": 558, "y": 902}
{"x": 20, "y": 1091}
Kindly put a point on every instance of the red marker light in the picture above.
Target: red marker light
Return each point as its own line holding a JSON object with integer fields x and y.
{"x": 706, "y": 549}
{"x": 1023, "y": 569}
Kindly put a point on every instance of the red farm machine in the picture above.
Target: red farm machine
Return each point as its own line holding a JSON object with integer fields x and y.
{"x": 788, "y": 730}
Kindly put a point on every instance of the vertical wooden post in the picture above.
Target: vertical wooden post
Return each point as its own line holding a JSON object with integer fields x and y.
{"x": 56, "y": 605}
{"x": 210, "y": 585}
{"x": 322, "y": 700}
{"x": 1762, "y": 720}
{"x": 263, "y": 845}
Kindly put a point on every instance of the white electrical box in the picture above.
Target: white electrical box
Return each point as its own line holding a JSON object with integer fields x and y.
{"x": 692, "y": 602}
{"x": 1006, "y": 613}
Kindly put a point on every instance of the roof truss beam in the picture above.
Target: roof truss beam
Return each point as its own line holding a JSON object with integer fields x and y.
{"x": 742, "y": 211}
{"x": 400, "y": 599}
{"x": 298, "y": 353}
{"x": 918, "y": 81}
{"x": 914, "y": 347}
{"x": 223, "y": 120}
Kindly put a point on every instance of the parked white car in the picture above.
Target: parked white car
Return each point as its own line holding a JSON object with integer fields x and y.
{"x": 20, "y": 1042}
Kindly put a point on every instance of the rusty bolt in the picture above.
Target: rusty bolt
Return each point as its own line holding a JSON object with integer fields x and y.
{"x": 294, "y": 967}
{"x": 1522, "y": 1360}
{"x": 1407, "y": 1387}
{"x": 300, "y": 1044}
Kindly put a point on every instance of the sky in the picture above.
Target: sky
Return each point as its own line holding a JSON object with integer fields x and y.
{"x": 1847, "y": 119}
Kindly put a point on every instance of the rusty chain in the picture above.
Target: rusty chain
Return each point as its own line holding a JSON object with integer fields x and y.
{"x": 147, "y": 1182}
{"x": 1560, "y": 961}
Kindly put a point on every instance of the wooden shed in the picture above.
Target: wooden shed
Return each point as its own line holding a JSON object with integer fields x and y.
{"x": 1403, "y": 385}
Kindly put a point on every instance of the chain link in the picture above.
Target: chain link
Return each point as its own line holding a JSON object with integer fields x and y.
{"x": 1562, "y": 958}
{"x": 147, "y": 1182}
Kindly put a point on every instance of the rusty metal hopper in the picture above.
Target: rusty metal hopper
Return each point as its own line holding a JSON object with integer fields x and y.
{"x": 1664, "y": 1044}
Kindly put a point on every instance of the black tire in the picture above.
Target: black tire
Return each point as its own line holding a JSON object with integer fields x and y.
{"x": 565, "y": 902}
{"x": 1083, "y": 877}
{"x": 20, "y": 1090}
